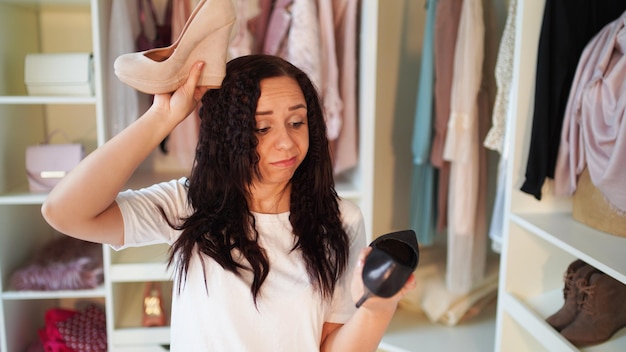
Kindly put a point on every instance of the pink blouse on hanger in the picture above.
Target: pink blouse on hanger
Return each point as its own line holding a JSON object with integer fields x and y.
{"x": 594, "y": 126}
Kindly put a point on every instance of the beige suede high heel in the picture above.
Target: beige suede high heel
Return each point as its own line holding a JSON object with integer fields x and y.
{"x": 205, "y": 37}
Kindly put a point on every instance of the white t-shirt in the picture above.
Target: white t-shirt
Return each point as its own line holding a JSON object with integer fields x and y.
{"x": 222, "y": 316}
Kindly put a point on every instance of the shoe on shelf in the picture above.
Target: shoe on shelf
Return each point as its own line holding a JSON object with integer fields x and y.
{"x": 389, "y": 265}
{"x": 205, "y": 37}
{"x": 601, "y": 314}
{"x": 153, "y": 313}
{"x": 577, "y": 274}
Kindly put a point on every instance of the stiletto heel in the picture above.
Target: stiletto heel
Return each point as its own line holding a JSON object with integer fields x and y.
{"x": 204, "y": 37}
{"x": 389, "y": 265}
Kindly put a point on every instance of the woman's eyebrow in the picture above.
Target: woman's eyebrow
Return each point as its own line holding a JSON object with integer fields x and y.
{"x": 291, "y": 108}
{"x": 296, "y": 107}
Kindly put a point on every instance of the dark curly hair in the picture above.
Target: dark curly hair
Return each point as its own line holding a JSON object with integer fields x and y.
{"x": 219, "y": 185}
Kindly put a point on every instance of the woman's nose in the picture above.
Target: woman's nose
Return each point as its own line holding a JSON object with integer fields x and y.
{"x": 284, "y": 139}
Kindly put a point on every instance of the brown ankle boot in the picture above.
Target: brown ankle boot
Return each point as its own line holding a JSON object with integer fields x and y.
{"x": 602, "y": 311}
{"x": 576, "y": 271}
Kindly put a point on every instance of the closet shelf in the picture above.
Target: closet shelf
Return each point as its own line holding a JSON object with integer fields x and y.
{"x": 531, "y": 315}
{"x": 528, "y": 318}
{"x": 34, "y": 100}
{"x": 32, "y": 295}
{"x": 140, "y": 272}
{"x": 141, "y": 336}
{"x": 602, "y": 250}
{"x": 140, "y": 264}
{"x": 22, "y": 196}
{"x": 56, "y": 3}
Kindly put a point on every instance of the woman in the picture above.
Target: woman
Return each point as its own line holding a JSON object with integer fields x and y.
{"x": 267, "y": 257}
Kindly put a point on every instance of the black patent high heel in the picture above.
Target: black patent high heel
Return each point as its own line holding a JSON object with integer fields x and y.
{"x": 389, "y": 265}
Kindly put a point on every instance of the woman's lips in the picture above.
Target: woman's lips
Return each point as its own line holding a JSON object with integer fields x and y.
{"x": 285, "y": 163}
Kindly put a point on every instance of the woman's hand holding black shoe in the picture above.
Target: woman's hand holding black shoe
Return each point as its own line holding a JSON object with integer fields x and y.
{"x": 384, "y": 273}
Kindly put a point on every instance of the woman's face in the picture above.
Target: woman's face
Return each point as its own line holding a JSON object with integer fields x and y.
{"x": 282, "y": 130}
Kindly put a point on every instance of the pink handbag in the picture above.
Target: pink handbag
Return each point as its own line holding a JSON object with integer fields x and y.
{"x": 47, "y": 164}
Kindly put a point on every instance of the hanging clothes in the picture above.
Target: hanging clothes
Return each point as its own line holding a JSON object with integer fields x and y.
{"x": 504, "y": 76}
{"x": 329, "y": 72}
{"x": 293, "y": 33}
{"x": 469, "y": 109}
{"x": 594, "y": 129}
{"x": 345, "y": 147}
{"x": 123, "y": 103}
{"x": 319, "y": 37}
{"x": 257, "y": 25}
{"x": 423, "y": 178}
{"x": 162, "y": 36}
{"x": 241, "y": 41}
{"x": 497, "y": 135}
{"x": 567, "y": 27}
{"x": 459, "y": 147}
{"x": 447, "y": 18}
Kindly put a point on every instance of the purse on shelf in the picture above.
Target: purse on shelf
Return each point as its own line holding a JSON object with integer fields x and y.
{"x": 47, "y": 163}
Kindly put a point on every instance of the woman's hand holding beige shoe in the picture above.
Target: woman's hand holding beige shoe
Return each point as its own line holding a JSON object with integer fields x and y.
{"x": 179, "y": 104}
{"x": 205, "y": 37}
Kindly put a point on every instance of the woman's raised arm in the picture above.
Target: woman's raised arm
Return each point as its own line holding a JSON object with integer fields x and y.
{"x": 83, "y": 204}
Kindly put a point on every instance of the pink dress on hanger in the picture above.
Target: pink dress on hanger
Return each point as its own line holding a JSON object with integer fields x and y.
{"x": 466, "y": 204}
{"x": 446, "y": 33}
{"x": 345, "y": 147}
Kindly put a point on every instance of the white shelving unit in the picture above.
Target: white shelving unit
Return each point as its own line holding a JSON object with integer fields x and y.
{"x": 28, "y": 26}
{"x": 543, "y": 238}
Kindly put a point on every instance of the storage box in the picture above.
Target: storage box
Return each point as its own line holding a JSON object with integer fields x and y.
{"x": 591, "y": 208}
{"x": 68, "y": 74}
